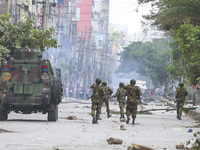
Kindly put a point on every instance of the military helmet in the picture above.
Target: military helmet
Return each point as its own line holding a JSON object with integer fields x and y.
{"x": 121, "y": 84}
{"x": 104, "y": 83}
{"x": 181, "y": 84}
{"x": 132, "y": 82}
{"x": 98, "y": 81}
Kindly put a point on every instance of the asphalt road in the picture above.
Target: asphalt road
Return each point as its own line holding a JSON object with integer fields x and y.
{"x": 159, "y": 130}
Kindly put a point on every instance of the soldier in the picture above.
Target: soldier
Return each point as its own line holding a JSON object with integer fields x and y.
{"x": 133, "y": 94}
{"x": 107, "y": 90}
{"x": 96, "y": 97}
{"x": 180, "y": 95}
{"x": 121, "y": 98}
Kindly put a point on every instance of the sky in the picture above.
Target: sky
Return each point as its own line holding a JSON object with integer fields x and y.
{"x": 124, "y": 12}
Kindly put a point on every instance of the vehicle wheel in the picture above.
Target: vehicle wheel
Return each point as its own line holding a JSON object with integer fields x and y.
{"x": 53, "y": 113}
{"x": 6, "y": 116}
{"x": 56, "y": 90}
{"x": 3, "y": 115}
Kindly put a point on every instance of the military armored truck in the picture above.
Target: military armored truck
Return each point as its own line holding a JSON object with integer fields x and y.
{"x": 28, "y": 85}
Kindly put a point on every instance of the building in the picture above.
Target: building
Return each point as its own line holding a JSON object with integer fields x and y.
{"x": 6, "y": 6}
{"x": 148, "y": 33}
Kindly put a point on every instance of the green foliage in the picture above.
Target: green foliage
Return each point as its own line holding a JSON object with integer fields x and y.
{"x": 186, "y": 111}
{"x": 169, "y": 14}
{"x": 181, "y": 18}
{"x": 195, "y": 142}
{"x": 3, "y": 52}
{"x": 187, "y": 55}
{"x": 175, "y": 68}
{"x": 23, "y": 35}
{"x": 149, "y": 59}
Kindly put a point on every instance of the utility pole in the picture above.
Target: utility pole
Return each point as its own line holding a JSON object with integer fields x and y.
{"x": 44, "y": 16}
{"x": 15, "y": 12}
{"x": 84, "y": 72}
{"x": 59, "y": 21}
{"x": 84, "y": 50}
{"x": 78, "y": 65}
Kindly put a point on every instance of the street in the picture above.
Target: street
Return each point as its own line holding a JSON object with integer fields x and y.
{"x": 159, "y": 130}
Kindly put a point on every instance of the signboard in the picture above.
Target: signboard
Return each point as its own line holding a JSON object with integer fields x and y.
{"x": 76, "y": 13}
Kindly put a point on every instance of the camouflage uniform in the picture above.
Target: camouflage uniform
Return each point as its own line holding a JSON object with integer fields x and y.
{"x": 121, "y": 97}
{"x": 96, "y": 97}
{"x": 133, "y": 94}
{"x": 107, "y": 90}
{"x": 180, "y": 95}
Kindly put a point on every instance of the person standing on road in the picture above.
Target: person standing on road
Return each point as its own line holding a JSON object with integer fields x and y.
{"x": 121, "y": 98}
{"x": 105, "y": 99}
{"x": 96, "y": 98}
{"x": 133, "y": 94}
{"x": 180, "y": 95}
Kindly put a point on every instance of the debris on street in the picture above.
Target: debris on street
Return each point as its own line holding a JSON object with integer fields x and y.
{"x": 71, "y": 118}
{"x": 114, "y": 141}
{"x": 5, "y": 131}
{"x": 138, "y": 147}
{"x": 122, "y": 127}
{"x": 181, "y": 146}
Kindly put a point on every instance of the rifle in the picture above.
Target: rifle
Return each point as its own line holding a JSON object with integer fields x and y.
{"x": 140, "y": 101}
{"x": 88, "y": 98}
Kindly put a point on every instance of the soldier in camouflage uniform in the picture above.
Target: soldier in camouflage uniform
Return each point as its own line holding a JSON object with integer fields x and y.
{"x": 180, "y": 95}
{"x": 96, "y": 97}
{"x": 121, "y": 98}
{"x": 107, "y": 90}
{"x": 133, "y": 94}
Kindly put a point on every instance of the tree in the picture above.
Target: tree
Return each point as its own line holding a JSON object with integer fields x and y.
{"x": 148, "y": 59}
{"x": 175, "y": 67}
{"x": 3, "y": 52}
{"x": 170, "y": 14}
{"x": 188, "y": 39}
{"x": 23, "y": 35}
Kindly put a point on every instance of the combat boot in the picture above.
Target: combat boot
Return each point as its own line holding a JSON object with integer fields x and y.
{"x": 133, "y": 122}
{"x": 128, "y": 119}
{"x": 96, "y": 121}
{"x": 178, "y": 117}
{"x": 93, "y": 120}
{"x": 109, "y": 115}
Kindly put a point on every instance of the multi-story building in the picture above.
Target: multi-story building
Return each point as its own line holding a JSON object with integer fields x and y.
{"x": 148, "y": 33}
{"x": 6, "y": 6}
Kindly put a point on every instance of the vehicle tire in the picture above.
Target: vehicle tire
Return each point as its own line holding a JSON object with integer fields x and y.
{"x": 6, "y": 116}
{"x": 56, "y": 95}
{"x": 53, "y": 113}
{"x": 3, "y": 115}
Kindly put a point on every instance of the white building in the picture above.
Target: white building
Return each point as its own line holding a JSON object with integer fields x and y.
{"x": 148, "y": 33}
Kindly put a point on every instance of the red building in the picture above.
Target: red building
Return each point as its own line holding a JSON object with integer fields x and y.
{"x": 85, "y": 8}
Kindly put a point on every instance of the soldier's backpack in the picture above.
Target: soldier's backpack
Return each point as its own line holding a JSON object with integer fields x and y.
{"x": 122, "y": 94}
{"x": 133, "y": 92}
{"x": 97, "y": 91}
{"x": 181, "y": 93}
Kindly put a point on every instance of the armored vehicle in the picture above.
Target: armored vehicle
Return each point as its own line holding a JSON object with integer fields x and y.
{"x": 28, "y": 85}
